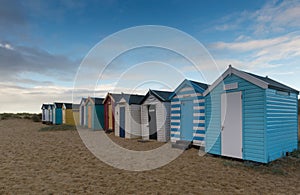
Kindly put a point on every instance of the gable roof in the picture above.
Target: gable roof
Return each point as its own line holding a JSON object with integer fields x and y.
{"x": 115, "y": 96}
{"x": 263, "y": 82}
{"x": 204, "y": 86}
{"x": 45, "y": 106}
{"x": 83, "y": 100}
{"x": 50, "y": 106}
{"x": 68, "y": 105}
{"x": 96, "y": 101}
{"x": 58, "y": 105}
{"x": 195, "y": 84}
{"x": 162, "y": 96}
{"x": 132, "y": 98}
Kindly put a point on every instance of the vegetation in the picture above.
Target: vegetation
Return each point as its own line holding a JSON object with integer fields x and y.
{"x": 24, "y": 115}
{"x": 63, "y": 127}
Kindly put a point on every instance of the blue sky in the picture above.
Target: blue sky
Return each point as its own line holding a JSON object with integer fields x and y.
{"x": 42, "y": 44}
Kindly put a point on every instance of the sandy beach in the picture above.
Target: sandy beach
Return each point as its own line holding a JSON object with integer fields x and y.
{"x": 58, "y": 162}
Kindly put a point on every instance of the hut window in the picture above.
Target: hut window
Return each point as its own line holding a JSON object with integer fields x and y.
{"x": 282, "y": 93}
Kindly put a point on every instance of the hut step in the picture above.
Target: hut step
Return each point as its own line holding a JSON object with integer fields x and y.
{"x": 182, "y": 144}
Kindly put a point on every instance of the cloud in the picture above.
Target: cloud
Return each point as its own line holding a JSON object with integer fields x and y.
{"x": 15, "y": 60}
{"x": 264, "y": 52}
{"x": 251, "y": 44}
{"x": 273, "y": 17}
{"x": 6, "y": 46}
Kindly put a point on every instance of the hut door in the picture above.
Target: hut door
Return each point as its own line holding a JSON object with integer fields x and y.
{"x": 89, "y": 116}
{"x": 64, "y": 116}
{"x": 54, "y": 116}
{"x": 186, "y": 128}
{"x": 122, "y": 122}
{"x": 82, "y": 116}
{"x": 110, "y": 117}
{"x": 152, "y": 122}
{"x": 44, "y": 113}
{"x": 231, "y": 129}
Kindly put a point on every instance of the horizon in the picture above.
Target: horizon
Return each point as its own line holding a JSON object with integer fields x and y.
{"x": 43, "y": 46}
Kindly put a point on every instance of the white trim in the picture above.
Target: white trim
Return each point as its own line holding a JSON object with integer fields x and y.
{"x": 199, "y": 142}
{"x": 238, "y": 73}
{"x": 175, "y": 132}
{"x": 199, "y": 114}
{"x": 198, "y": 121}
{"x": 189, "y": 95}
{"x": 186, "y": 89}
{"x": 198, "y": 128}
{"x": 175, "y": 114}
{"x": 199, "y": 101}
{"x": 174, "y": 139}
{"x": 198, "y": 107}
{"x": 175, "y": 102}
{"x": 198, "y": 135}
{"x": 175, "y": 126}
{"x": 175, "y": 121}
{"x": 176, "y": 108}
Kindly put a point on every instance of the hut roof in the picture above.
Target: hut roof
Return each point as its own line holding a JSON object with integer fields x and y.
{"x": 195, "y": 84}
{"x": 58, "y": 105}
{"x": 274, "y": 84}
{"x": 97, "y": 101}
{"x": 132, "y": 98}
{"x": 83, "y": 100}
{"x": 68, "y": 105}
{"x": 163, "y": 96}
{"x": 45, "y": 106}
{"x": 263, "y": 82}
{"x": 202, "y": 85}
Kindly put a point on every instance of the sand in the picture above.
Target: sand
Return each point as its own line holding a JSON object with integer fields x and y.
{"x": 58, "y": 162}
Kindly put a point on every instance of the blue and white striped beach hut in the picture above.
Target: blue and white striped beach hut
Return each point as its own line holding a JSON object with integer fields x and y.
{"x": 187, "y": 112}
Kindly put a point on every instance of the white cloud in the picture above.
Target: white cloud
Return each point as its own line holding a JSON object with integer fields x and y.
{"x": 251, "y": 44}
{"x": 6, "y": 46}
{"x": 273, "y": 17}
{"x": 264, "y": 52}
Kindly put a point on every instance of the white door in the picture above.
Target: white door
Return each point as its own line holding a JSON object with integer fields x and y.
{"x": 231, "y": 121}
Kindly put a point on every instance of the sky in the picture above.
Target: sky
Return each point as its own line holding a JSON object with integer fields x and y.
{"x": 57, "y": 51}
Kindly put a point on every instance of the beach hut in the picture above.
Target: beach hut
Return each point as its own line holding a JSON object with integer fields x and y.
{"x": 250, "y": 117}
{"x": 57, "y": 113}
{"x": 82, "y": 110}
{"x": 128, "y": 116}
{"x": 50, "y": 109}
{"x": 45, "y": 113}
{"x": 109, "y": 103}
{"x": 67, "y": 114}
{"x": 95, "y": 113}
{"x": 155, "y": 115}
{"x": 187, "y": 113}
{"x": 75, "y": 109}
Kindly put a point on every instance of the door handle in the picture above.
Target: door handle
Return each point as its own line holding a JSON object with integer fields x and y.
{"x": 222, "y": 128}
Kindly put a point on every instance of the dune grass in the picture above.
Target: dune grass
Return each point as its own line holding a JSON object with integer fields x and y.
{"x": 63, "y": 127}
{"x": 24, "y": 115}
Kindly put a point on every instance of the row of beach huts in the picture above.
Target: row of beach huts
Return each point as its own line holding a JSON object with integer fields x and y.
{"x": 241, "y": 115}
